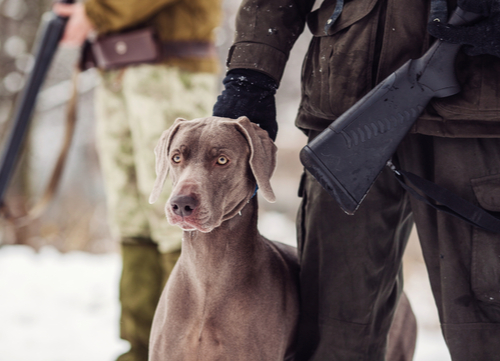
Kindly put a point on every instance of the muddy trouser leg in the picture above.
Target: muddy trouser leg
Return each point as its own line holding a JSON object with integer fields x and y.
{"x": 463, "y": 261}
{"x": 350, "y": 271}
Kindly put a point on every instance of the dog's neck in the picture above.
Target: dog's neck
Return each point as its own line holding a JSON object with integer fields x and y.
{"x": 231, "y": 249}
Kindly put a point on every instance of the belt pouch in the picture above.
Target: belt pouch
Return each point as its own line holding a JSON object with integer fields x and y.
{"x": 128, "y": 48}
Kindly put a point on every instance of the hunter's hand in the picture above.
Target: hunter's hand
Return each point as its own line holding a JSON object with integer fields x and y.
{"x": 249, "y": 93}
{"x": 78, "y": 27}
{"x": 482, "y": 37}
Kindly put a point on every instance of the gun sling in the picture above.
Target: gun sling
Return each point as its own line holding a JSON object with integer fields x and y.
{"x": 449, "y": 202}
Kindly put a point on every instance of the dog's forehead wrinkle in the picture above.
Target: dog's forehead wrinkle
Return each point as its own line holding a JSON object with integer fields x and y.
{"x": 178, "y": 146}
{"x": 218, "y": 147}
{"x": 226, "y": 133}
{"x": 219, "y": 150}
{"x": 188, "y": 135}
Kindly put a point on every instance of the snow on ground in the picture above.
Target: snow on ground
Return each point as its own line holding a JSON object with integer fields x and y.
{"x": 58, "y": 307}
{"x": 430, "y": 342}
{"x": 64, "y": 307}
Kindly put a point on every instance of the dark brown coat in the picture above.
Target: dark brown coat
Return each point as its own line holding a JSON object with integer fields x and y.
{"x": 369, "y": 40}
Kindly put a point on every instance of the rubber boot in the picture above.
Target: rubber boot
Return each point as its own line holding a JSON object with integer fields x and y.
{"x": 142, "y": 280}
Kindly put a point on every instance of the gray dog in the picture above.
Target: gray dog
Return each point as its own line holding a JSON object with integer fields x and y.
{"x": 233, "y": 294}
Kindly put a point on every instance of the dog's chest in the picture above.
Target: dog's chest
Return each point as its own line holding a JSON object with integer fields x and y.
{"x": 221, "y": 319}
{"x": 228, "y": 331}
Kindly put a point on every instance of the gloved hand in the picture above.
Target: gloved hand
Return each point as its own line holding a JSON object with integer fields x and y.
{"x": 249, "y": 93}
{"x": 482, "y": 37}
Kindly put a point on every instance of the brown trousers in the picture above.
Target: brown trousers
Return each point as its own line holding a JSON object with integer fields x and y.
{"x": 351, "y": 265}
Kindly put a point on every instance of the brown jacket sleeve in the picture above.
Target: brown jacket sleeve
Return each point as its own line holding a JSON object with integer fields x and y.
{"x": 265, "y": 33}
{"x": 114, "y": 15}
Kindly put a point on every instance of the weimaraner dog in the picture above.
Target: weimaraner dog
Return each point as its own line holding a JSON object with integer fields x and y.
{"x": 233, "y": 294}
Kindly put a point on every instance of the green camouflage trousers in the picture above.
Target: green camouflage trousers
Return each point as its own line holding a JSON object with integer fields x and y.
{"x": 133, "y": 107}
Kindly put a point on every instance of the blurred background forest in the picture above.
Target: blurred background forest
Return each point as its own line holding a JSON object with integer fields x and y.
{"x": 76, "y": 219}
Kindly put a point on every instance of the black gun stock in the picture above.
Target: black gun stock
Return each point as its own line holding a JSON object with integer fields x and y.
{"x": 347, "y": 157}
{"x": 51, "y": 32}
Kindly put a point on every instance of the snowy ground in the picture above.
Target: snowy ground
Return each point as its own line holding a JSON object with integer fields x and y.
{"x": 64, "y": 307}
{"x": 58, "y": 307}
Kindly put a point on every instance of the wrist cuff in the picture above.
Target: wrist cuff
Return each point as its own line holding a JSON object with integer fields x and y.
{"x": 259, "y": 57}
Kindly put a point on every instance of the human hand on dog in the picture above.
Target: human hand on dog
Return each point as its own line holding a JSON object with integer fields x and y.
{"x": 249, "y": 93}
{"x": 480, "y": 38}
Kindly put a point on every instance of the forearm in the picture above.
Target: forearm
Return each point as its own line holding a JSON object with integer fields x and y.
{"x": 115, "y": 15}
{"x": 265, "y": 33}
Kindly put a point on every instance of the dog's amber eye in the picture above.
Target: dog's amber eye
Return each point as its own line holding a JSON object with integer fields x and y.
{"x": 222, "y": 160}
{"x": 176, "y": 158}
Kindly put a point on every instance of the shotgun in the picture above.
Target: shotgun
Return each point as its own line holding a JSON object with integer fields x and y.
{"x": 50, "y": 34}
{"x": 347, "y": 157}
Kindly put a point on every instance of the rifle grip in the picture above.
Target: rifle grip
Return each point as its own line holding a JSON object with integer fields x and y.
{"x": 435, "y": 70}
{"x": 462, "y": 17}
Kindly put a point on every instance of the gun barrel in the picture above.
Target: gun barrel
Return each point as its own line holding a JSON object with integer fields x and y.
{"x": 51, "y": 33}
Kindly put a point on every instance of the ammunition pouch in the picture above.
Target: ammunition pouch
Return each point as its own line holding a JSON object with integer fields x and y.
{"x": 140, "y": 46}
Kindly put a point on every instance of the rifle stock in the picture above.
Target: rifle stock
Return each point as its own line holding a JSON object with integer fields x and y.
{"x": 50, "y": 35}
{"x": 347, "y": 157}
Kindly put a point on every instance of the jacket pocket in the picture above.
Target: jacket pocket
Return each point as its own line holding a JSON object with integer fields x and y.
{"x": 485, "y": 270}
{"x": 352, "y": 12}
{"x": 337, "y": 69}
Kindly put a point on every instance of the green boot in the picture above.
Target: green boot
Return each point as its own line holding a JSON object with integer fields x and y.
{"x": 142, "y": 281}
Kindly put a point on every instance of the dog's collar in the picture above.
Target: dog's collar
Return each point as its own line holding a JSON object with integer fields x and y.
{"x": 253, "y": 195}
{"x": 255, "y": 192}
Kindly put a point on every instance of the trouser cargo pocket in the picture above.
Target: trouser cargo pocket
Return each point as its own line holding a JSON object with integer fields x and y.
{"x": 473, "y": 341}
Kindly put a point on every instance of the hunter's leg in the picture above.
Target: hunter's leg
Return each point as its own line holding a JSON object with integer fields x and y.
{"x": 463, "y": 261}
{"x": 350, "y": 268}
{"x": 141, "y": 278}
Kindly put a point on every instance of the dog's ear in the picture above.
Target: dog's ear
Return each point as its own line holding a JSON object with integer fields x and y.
{"x": 162, "y": 159}
{"x": 262, "y": 155}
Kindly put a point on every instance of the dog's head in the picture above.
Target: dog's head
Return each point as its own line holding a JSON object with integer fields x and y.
{"x": 215, "y": 165}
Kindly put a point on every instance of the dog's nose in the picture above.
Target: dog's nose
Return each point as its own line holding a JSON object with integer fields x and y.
{"x": 183, "y": 205}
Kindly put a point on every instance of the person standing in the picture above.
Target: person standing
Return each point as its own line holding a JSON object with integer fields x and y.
{"x": 351, "y": 272}
{"x": 134, "y": 105}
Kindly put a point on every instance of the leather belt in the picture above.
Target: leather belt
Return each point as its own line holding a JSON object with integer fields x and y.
{"x": 187, "y": 49}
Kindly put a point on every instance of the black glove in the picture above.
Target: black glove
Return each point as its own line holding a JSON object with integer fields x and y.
{"x": 480, "y": 38}
{"x": 249, "y": 93}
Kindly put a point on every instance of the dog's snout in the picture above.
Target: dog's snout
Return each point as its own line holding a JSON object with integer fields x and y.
{"x": 183, "y": 205}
